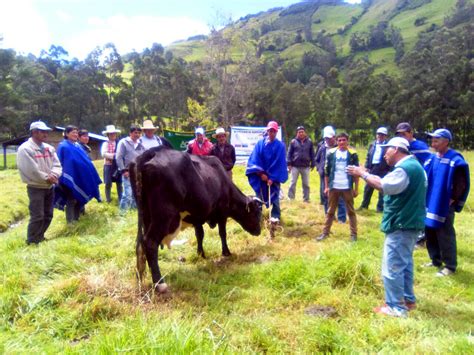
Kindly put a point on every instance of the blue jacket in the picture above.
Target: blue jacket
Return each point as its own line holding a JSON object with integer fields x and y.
{"x": 442, "y": 173}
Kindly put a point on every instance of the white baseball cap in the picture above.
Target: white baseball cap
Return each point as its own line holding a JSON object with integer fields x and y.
{"x": 398, "y": 142}
{"x": 39, "y": 125}
{"x": 199, "y": 130}
{"x": 382, "y": 130}
{"x": 328, "y": 132}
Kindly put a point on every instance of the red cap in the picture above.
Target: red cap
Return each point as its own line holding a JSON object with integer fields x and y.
{"x": 272, "y": 125}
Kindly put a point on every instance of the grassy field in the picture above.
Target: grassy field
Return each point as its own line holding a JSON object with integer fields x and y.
{"x": 77, "y": 293}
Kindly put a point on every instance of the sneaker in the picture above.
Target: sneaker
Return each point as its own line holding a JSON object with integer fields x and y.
{"x": 430, "y": 264}
{"x": 274, "y": 220}
{"x": 410, "y": 305}
{"x": 354, "y": 238}
{"x": 389, "y": 311}
{"x": 444, "y": 272}
{"x": 321, "y": 237}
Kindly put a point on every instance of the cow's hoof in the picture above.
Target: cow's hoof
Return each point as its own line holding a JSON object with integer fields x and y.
{"x": 162, "y": 288}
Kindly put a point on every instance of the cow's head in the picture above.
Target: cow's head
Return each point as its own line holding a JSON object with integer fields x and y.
{"x": 251, "y": 220}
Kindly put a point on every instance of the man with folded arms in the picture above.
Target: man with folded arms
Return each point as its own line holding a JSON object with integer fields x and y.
{"x": 448, "y": 187}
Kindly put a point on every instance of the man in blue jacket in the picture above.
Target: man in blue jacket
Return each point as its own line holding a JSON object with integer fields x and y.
{"x": 266, "y": 169}
{"x": 448, "y": 188}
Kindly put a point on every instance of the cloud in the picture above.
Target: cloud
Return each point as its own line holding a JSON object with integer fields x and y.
{"x": 63, "y": 16}
{"x": 130, "y": 33}
{"x": 23, "y": 28}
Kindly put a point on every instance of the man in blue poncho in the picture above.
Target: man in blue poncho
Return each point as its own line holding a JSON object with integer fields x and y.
{"x": 267, "y": 169}
{"x": 79, "y": 181}
{"x": 448, "y": 188}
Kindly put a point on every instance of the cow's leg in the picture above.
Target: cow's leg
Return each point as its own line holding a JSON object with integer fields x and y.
{"x": 141, "y": 260}
{"x": 199, "y": 230}
{"x": 151, "y": 252}
{"x": 223, "y": 235}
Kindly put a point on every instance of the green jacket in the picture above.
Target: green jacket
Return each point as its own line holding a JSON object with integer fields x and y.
{"x": 330, "y": 166}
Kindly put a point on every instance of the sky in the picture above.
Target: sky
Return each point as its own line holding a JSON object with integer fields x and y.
{"x": 29, "y": 26}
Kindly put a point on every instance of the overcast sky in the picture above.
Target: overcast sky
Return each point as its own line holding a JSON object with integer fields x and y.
{"x": 28, "y": 26}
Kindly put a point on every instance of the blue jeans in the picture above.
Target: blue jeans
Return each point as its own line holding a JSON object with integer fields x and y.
{"x": 127, "y": 201}
{"x": 397, "y": 268}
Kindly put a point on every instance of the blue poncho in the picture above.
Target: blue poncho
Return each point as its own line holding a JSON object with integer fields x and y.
{"x": 440, "y": 173}
{"x": 268, "y": 158}
{"x": 79, "y": 175}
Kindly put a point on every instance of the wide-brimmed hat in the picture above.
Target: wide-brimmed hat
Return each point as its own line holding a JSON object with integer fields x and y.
{"x": 441, "y": 133}
{"x": 110, "y": 129}
{"x": 148, "y": 124}
{"x": 398, "y": 142}
{"x": 220, "y": 131}
{"x": 40, "y": 126}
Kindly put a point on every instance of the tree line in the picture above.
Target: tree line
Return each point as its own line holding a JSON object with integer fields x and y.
{"x": 434, "y": 88}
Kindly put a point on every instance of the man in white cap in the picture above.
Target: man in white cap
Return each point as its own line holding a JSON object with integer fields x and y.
{"x": 403, "y": 219}
{"x": 111, "y": 173}
{"x": 376, "y": 165}
{"x": 149, "y": 139}
{"x": 448, "y": 188}
{"x": 329, "y": 141}
{"x": 199, "y": 145}
{"x": 224, "y": 150}
{"x": 40, "y": 169}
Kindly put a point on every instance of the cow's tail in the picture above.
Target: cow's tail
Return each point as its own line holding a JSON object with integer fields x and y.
{"x": 136, "y": 183}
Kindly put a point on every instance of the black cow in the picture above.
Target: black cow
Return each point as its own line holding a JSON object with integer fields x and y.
{"x": 174, "y": 190}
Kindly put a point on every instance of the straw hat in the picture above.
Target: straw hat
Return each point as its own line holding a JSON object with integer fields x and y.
{"x": 220, "y": 131}
{"x": 110, "y": 129}
{"x": 148, "y": 124}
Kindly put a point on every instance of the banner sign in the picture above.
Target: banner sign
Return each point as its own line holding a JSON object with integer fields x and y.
{"x": 244, "y": 140}
{"x": 179, "y": 140}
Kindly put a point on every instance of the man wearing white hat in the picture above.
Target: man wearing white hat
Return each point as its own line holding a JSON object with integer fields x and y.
{"x": 329, "y": 141}
{"x": 40, "y": 169}
{"x": 223, "y": 150}
{"x": 403, "y": 219}
{"x": 200, "y": 145}
{"x": 376, "y": 164}
{"x": 149, "y": 139}
{"x": 108, "y": 150}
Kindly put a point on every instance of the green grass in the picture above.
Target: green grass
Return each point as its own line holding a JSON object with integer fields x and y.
{"x": 332, "y": 18}
{"x": 77, "y": 293}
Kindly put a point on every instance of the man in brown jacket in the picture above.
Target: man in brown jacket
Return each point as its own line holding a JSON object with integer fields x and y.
{"x": 40, "y": 169}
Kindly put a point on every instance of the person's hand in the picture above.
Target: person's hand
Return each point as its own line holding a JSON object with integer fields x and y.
{"x": 355, "y": 170}
{"x": 264, "y": 177}
{"x": 355, "y": 193}
{"x": 269, "y": 182}
{"x": 125, "y": 174}
{"x": 326, "y": 191}
{"x": 289, "y": 167}
{"x": 52, "y": 179}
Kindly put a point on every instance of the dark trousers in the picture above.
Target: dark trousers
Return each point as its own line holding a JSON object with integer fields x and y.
{"x": 368, "y": 191}
{"x": 341, "y": 207}
{"x": 108, "y": 184}
{"x": 441, "y": 243}
{"x": 41, "y": 213}
{"x": 73, "y": 208}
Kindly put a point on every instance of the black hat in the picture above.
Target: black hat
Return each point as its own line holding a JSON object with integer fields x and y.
{"x": 299, "y": 128}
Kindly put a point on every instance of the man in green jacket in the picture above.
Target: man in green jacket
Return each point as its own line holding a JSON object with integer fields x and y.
{"x": 404, "y": 213}
{"x": 337, "y": 183}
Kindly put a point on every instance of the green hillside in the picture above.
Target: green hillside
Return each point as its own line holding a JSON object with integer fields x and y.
{"x": 288, "y": 33}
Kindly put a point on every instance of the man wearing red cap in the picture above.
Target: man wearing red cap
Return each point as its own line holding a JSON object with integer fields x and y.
{"x": 266, "y": 169}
